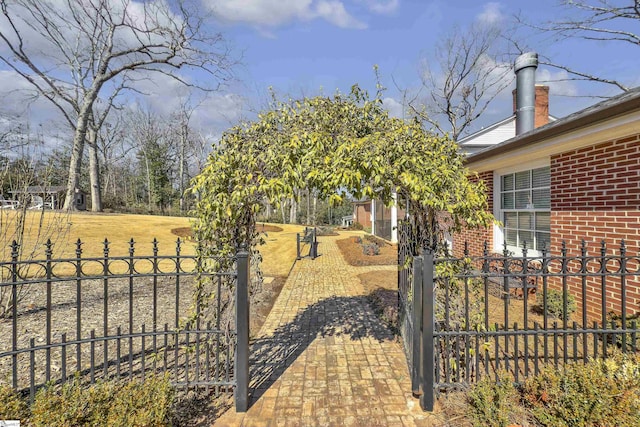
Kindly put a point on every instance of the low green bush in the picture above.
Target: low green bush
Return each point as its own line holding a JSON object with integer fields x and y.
{"x": 370, "y": 249}
{"x": 555, "y": 304}
{"x": 12, "y": 405}
{"x": 355, "y": 226}
{"x": 375, "y": 239}
{"x": 140, "y": 403}
{"x": 627, "y": 341}
{"x": 600, "y": 393}
{"x": 132, "y": 403}
{"x": 493, "y": 404}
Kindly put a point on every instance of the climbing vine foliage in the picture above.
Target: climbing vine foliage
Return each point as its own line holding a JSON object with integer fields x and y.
{"x": 337, "y": 147}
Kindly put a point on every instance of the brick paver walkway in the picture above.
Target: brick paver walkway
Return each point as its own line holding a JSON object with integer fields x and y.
{"x": 323, "y": 358}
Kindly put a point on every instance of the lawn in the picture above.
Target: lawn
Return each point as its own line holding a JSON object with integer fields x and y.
{"x": 64, "y": 229}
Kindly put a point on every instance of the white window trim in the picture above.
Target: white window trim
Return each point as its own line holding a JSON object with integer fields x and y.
{"x": 498, "y": 232}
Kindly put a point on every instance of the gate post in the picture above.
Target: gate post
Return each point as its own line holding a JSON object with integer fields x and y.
{"x": 416, "y": 321}
{"x": 428, "y": 369}
{"x": 242, "y": 331}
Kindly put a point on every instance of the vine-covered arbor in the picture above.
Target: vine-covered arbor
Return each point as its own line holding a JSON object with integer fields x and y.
{"x": 333, "y": 147}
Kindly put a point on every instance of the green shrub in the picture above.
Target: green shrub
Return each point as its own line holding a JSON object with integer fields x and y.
{"x": 67, "y": 406}
{"x": 140, "y": 403}
{"x": 493, "y": 404}
{"x": 370, "y": 249}
{"x": 355, "y": 226}
{"x": 12, "y": 405}
{"x": 600, "y": 393}
{"x": 555, "y": 304}
{"x": 133, "y": 403}
{"x": 375, "y": 239}
{"x": 629, "y": 340}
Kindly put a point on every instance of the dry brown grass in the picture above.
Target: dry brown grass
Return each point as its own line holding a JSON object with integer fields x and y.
{"x": 65, "y": 229}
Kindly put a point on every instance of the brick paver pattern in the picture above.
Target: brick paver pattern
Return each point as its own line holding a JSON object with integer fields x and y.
{"x": 323, "y": 358}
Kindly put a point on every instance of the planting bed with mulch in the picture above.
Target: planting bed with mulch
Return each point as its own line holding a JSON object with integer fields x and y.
{"x": 354, "y": 252}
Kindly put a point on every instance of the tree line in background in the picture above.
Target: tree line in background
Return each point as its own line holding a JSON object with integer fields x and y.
{"x": 145, "y": 161}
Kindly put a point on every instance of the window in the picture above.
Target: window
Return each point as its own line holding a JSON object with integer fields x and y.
{"x": 525, "y": 208}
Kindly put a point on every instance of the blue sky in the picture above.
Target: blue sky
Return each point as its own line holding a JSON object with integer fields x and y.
{"x": 302, "y": 50}
{"x": 311, "y": 47}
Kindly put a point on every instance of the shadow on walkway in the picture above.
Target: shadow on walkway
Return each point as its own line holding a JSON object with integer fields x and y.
{"x": 333, "y": 316}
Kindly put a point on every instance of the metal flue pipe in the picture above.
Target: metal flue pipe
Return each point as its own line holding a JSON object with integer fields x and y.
{"x": 525, "y": 69}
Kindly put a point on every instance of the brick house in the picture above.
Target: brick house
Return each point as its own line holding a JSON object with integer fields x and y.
{"x": 380, "y": 219}
{"x": 362, "y": 212}
{"x": 575, "y": 178}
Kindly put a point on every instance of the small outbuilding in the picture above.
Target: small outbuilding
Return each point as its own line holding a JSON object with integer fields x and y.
{"x": 49, "y": 197}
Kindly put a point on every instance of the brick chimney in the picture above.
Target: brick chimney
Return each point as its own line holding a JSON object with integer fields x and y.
{"x": 541, "y": 105}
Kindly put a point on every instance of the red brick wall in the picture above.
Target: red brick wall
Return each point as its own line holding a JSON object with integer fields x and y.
{"x": 595, "y": 196}
{"x": 476, "y": 238}
{"x": 363, "y": 214}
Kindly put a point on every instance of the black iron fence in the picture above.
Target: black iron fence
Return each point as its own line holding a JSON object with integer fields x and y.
{"x": 308, "y": 239}
{"x": 104, "y": 317}
{"x": 465, "y": 318}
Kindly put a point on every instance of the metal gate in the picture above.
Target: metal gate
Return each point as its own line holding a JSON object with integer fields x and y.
{"x": 414, "y": 309}
{"x": 484, "y": 314}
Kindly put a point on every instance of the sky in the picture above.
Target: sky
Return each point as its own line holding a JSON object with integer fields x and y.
{"x": 307, "y": 47}
{"x": 312, "y": 47}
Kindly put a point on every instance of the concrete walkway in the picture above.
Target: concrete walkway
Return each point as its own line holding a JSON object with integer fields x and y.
{"x": 323, "y": 358}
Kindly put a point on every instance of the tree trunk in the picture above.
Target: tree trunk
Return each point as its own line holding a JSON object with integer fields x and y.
{"x": 284, "y": 218}
{"x": 293, "y": 211}
{"x": 315, "y": 209}
{"x": 75, "y": 163}
{"x": 308, "y": 207}
{"x": 183, "y": 143}
{"x": 149, "y": 191}
{"x": 94, "y": 171}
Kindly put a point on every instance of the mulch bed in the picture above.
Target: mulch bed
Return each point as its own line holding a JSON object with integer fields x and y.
{"x": 354, "y": 255}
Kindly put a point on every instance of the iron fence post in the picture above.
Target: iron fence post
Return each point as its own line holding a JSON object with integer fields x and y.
{"x": 14, "y": 312}
{"x": 417, "y": 322}
{"x": 242, "y": 330}
{"x": 428, "y": 393}
{"x": 298, "y": 246}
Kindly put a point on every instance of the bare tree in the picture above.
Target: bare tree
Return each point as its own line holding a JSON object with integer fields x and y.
{"x": 610, "y": 21}
{"x": 466, "y": 73}
{"x": 73, "y": 52}
{"x": 187, "y": 143}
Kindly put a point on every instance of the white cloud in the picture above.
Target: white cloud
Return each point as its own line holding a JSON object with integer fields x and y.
{"x": 559, "y": 83}
{"x": 382, "y": 7}
{"x": 335, "y": 13}
{"x": 164, "y": 95}
{"x": 142, "y": 18}
{"x": 491, "y": 14}
{"x": 274, "y": 13}
{"x": 394, "y": 107}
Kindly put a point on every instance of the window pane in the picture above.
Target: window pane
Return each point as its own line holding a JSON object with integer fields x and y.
{"x": 522, "y": 199}
{"x": 507, "y": 200}
{"x": 543, "y": 221}
{"x": 542, "y": 240}
{"x": 523, "y": 180}
{"x": 511, "y": 220}
{"x": 511, "y": 237}
{"x": 542, "y": 198}
{"x": 525, "y": 236}
{"x": 507, "y": 182}
{"x": 524, "y": 220}
{"x": 541, "y": 177}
